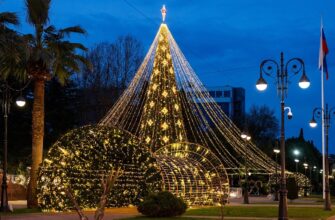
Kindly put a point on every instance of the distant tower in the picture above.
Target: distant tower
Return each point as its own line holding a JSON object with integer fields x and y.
{"x": 162, "y": 120}
{"x": 301, "y": 134}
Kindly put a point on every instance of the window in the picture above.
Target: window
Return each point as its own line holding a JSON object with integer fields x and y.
{"x": 226, "y": 93}
{"x": 218, "y": 94}
{"x": 212, "y": 93}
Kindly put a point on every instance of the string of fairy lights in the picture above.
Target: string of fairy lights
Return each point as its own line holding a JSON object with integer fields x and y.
{"x": 162, "y": 121}
{"x": 193, "y": 172}
{"x": 153, "y": 103}
{"x": 165, "y": 133}
{"x": 82, "y": 157}
{"x": 202, "y": 118}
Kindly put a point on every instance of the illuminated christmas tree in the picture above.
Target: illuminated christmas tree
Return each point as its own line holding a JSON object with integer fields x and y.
{"x": 162, "y": 121}
{"x": 166, "y": 103}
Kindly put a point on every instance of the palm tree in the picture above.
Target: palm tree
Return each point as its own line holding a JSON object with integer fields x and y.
{"x": 11, "y": 49}
{"x": 50, "y": 55}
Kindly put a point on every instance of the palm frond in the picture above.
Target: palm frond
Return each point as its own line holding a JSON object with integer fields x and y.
{"x": 75, "y": 46}
{"x": 13, "y": 57}
{"x": 50, "y": 29}
{"x": 8, "y": 18}
{"x": 38, "y": 12}
{"x": 84, "y": 61}
{"x": 66, "y": 32}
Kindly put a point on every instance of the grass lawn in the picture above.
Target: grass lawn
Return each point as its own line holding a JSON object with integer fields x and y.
{"x": 263, "y": 211}
{"x": 174, "y": 218}
{"x": 306, "y": 213}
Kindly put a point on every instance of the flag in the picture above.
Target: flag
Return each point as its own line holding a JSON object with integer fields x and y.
{"x": 323, "y": 53}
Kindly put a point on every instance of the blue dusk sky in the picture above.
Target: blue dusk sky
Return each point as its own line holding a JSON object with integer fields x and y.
{"x": 224, "y": 41}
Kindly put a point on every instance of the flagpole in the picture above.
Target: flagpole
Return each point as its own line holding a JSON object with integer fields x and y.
{"x": 321, "y": 64}
{"x": 323, "y": 136}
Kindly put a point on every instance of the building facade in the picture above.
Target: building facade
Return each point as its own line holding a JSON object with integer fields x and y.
{"x": 230, "y": 99}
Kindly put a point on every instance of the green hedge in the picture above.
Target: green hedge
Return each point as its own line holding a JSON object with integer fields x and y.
{"x": 162, "y": 204}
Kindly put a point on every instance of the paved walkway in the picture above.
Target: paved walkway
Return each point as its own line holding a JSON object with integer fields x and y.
{"x": 112, "y": 213}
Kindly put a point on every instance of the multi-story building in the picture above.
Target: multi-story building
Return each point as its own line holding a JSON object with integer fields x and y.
{"x": 230, "y": 99}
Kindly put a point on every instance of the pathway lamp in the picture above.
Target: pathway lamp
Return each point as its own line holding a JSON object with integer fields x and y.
{"x": 6, "y": 101}
{"x": 247, "y": 138}
{"x": 324, "y": 114}
{"x": 276, "y": 151}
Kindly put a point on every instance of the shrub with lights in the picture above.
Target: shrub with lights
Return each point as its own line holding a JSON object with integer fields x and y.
{"x": 81, "y": 158}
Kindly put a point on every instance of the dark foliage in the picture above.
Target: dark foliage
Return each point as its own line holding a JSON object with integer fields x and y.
{"x": 162, "y": 204}
{"x": 262, "y": 125}
{"x": 114, "y": 65}
{"x": 308, "y": 153}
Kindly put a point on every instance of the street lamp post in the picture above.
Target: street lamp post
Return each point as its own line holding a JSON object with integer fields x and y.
{"x": 247, "y": 138}
{"x": 276, "y": 151}
{"x": 293, "y": 66}
{"x": 306, "y": 167}
{"x": 317, "y": 113}
{"x": 6, "y": 102}
{"x": 296, "y": 165}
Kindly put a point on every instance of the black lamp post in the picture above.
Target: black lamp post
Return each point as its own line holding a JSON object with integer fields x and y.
{"x": 296, "y": 165}
{"x": 326, "y": 113}
{"x": 296, "y": 153}
{"x": 306, "y": 167}
{"x": 247, "y": 138}
{"x": 276, "y": 151}
{"x": 292, "y": 66}
{"x": 6, "y": 102}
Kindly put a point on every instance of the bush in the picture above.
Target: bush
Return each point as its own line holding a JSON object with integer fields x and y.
{"x": 264, "y": 190}
{"x": 162, "y": 204}
{"x": 292, "y": 188}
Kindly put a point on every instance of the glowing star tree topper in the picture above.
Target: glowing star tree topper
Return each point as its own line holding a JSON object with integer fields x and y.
{"x": 163, "y": 10}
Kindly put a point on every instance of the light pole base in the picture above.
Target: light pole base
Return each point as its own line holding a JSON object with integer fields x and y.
{"x": 276, "y": 196}
{"x": 245, "y": 197}
{"x": 4, "y": 206}
{"x": 6, "y": 209}
{"x": 282, "y": 215}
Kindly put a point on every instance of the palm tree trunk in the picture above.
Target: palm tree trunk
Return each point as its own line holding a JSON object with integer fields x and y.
{"x": 37, "y": 139}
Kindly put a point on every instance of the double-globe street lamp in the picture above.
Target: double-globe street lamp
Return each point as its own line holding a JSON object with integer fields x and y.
{"x": 291, "y": 67}
{"x": 6, "y": 100}
{"x": 247, "y": 138}
{"x": 326, "y": 113}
